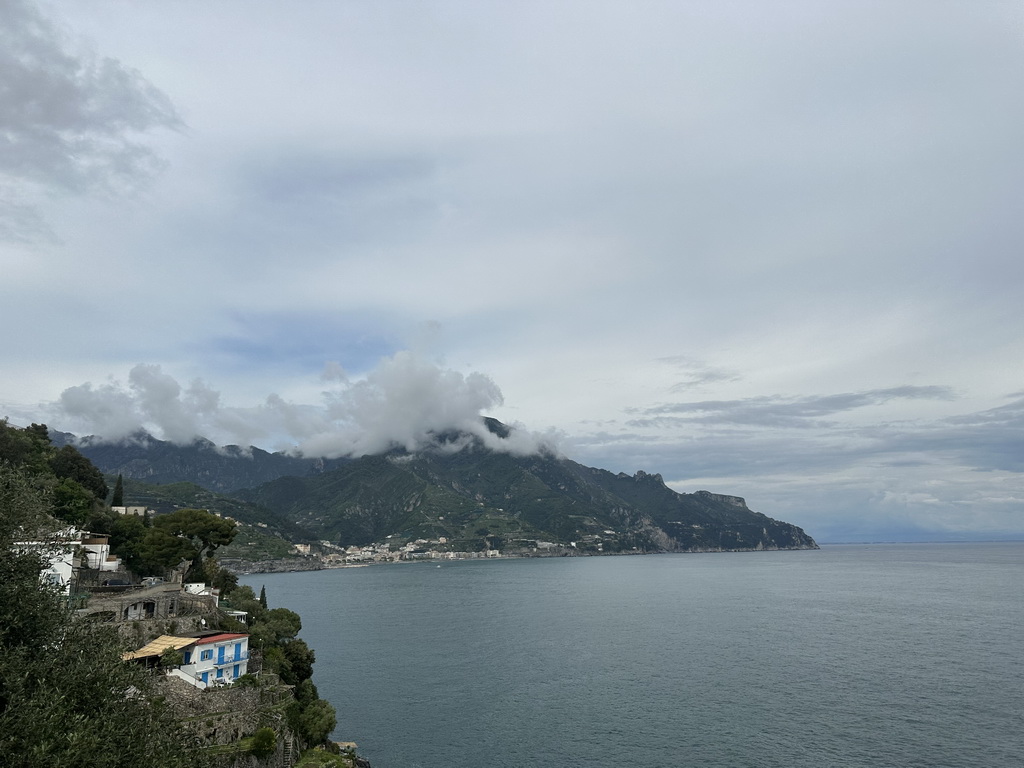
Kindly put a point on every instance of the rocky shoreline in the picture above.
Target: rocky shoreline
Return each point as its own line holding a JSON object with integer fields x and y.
{"x": 282, "y": 565}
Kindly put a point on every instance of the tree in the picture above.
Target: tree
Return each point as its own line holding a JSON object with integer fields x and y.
{"x": 314, "y": 722}
{"x": 171, "y": 657}
{"x": 300, "y": 659}
{"x": 69, "y": 463}
{"x": 242, "y": 599}
{"x": 276, "y": 626}
{"x": 160, "y": 550}
{"x": 205, "y": 530}
{"x": 264, "y": 742}
{"x": 118, "y": 498}
{"x": 72, "y": 503}
{"x": 263, "y": 596}
{"x": 66, "y": 696}
{"x": 306, "y": 693}
{"x": 28, "y": 448}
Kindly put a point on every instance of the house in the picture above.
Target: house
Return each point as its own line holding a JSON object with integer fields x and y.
{"x": 61, "y": 555}
{"x": 137, "y": 511}
{"x": 219, "y": 658}
{"x": 199, "y": 588}
{"x": 209, "y": 658}
{"x": 96, "y": 550}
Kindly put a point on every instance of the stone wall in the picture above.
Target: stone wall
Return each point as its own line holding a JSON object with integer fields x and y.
{"x": 223, "y": 715}
{"x": 141, "y": 631}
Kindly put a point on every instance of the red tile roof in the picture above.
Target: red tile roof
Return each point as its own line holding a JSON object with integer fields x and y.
{"x": 219, "y": 638}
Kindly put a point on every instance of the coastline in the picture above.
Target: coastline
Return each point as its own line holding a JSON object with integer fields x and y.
{"x": 298, "y": 565}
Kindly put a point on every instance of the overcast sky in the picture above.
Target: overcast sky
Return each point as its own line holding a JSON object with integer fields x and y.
{"x": 766, "y": 249}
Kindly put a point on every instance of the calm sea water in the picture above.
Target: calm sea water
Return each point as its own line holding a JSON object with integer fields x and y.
{"x": 855, "y": 655}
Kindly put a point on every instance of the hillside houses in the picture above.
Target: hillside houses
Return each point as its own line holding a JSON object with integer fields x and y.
{"x": 68, "y": 552}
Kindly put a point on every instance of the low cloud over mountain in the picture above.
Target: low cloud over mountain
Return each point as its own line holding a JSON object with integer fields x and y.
{"x": 404, "y": 401}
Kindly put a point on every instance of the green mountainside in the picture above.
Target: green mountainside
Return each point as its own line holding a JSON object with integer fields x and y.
{"x": 223, "y": 469}
{"x": 474, "y": 498}
{"x": 261, "y": 534}
{"x": 481, "y": 499}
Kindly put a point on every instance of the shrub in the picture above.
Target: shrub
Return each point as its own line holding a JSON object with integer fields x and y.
{"x": 264, "y": 742}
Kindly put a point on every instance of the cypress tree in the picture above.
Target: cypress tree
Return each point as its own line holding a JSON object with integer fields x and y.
{"x": 118, "y": 500}
{"x": 263, "y": 596}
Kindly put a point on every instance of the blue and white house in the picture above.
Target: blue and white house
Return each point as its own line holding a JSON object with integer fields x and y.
{"x": 214, "y": 659}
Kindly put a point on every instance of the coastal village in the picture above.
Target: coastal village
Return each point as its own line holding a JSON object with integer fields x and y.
{"x": 324, "y": 554}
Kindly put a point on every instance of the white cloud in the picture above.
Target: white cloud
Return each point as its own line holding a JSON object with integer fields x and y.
{"x": 406, "y": 401}
{"x": 70, "y": 119}
{"x": 773, "y": 229}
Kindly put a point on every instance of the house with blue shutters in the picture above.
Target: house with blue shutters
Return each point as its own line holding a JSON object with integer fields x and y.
{"x": 221, "y": 658}
{"x": 208, "y": 659}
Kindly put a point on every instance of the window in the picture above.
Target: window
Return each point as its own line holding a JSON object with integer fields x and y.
{"x": 206, "y": 655}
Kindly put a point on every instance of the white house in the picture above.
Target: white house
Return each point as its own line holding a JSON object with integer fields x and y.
{"x": 62, "y": 561}
{"x": 214, "y": 659}
{"x": 96, "y": 550}
{"x": 199, "y": 588}
{"x": 217, "y": 659}
{"x": 63, "y": 553}
{"x": 137, "y": 511}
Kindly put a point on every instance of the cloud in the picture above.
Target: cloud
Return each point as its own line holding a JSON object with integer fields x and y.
{"x": 70, "y": 119}
{"x": 695, "y": 374}
{"x": 152, "y": 400}
{"x": 829, "y": 463}
{"x": 406, "y": 401}
{"x": 780, "y": 411}
{"x": 745, "y": 225}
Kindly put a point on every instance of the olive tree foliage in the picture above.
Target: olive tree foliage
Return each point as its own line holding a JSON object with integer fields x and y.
{"x": 66, "y": 696}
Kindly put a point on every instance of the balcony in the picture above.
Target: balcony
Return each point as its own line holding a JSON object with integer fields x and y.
{"x": 244, "y": 656}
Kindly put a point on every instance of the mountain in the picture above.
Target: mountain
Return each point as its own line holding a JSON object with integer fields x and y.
{"x": 224, "y": 469}
{"x": 481, "y": 499}
{"x": 474, "y": 498}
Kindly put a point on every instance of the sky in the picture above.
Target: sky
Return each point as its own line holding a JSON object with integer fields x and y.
{"x": 769, "y": 249}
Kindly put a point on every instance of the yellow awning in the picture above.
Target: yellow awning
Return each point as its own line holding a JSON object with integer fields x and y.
{"x": 158, "y": 646}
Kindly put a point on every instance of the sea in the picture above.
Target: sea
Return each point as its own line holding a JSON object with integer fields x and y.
{"x": 853, "y": 655}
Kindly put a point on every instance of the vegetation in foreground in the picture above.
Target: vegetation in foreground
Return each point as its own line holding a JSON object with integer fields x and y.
{"x": 66, "y": 695}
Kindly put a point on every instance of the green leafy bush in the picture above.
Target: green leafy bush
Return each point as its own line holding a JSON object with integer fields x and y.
{"x": 264, "y": 742}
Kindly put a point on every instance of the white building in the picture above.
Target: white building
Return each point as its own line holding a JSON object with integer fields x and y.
{"x": 211, "y": 660}
{"x": 216, "y": 659}
{"x": 199, "y": 588}
{"x": 64, "y": 554}
{"x": 137, "y": 511}
{"x": 96, "y": 551}
{"x": 62, "y": 557}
